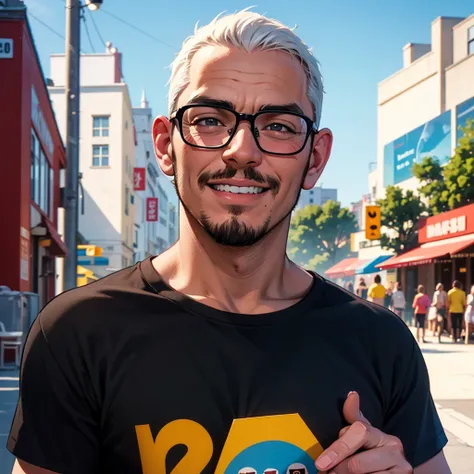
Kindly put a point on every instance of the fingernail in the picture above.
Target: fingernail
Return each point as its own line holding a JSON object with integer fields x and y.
{"x": 326, "y": 460}
{"x": 350, "y": 393}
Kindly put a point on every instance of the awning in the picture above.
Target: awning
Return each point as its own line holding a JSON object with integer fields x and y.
{"x": 429, "y": 252}
{"x": 351, "y": 269}
{"x": 338, "y": 270}
{"x": 58, "y": 247}
{"x": 370, "y": 266}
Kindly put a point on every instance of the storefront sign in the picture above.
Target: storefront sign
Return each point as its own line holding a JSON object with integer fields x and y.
{"x": 139, "y": 179}
{"x": 449, "y": 224}
{"x": 152, "y": 209}
{"x": 6, "y": 48}
{"x": 40, "y": 124}
{"x": 24, "y": 258}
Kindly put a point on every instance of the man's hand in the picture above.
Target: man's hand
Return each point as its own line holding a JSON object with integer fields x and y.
{"x": 383, "y": 454}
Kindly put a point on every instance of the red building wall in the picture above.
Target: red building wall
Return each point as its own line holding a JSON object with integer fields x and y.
{"x": 18, "y": 75}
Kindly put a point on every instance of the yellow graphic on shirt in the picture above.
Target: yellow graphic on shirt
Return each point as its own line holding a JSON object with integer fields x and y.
{"x": 280, "y": 444}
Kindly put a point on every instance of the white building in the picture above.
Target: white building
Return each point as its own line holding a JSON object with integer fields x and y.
{"x": 152, "y": 238}
{"x": 317, "y": 195}
{"x": 421, "y": 106}
{"x": 107, "y": 156}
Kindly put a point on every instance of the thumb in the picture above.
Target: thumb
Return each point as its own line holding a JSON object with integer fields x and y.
{"x": 351, "y": 409}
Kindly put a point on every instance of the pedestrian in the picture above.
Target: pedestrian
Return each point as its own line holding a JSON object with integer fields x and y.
{"x": 440, "y": 303}
{"x": 456, "y": 305}
{"x": 398, "y": 301}
{"x": 221, "y": 345}
{"x": 349, "y": 286}
{"x": 469, "y": 315}
{"x": 361, "y": 290}
{"x": 376, "y": 291}
{"x": 388, "y": 295}
{"x": 421, "y": 304}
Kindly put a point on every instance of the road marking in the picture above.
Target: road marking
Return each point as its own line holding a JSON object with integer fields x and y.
{"x": 458, "y": 424}
{"x": 15, "y": 379}
{"x": 9, "y": 389}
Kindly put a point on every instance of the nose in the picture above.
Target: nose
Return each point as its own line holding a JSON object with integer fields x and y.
{"x": 242, "y": 151}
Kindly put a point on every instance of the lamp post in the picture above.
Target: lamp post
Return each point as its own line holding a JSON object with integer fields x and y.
{"x": 72, "y": 90}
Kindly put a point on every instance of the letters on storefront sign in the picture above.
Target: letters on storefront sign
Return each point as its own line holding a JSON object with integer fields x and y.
{"x": 451, "y": 226}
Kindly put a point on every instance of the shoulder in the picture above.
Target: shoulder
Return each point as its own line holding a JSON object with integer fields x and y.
{"x": 363, "y": 317}
{"x": 96, "y": 307}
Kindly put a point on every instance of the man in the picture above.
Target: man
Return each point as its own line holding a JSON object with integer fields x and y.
{"x": 221, "y": 355}
{"x": 456, "y": 305}
{"x": 376, "y": 291}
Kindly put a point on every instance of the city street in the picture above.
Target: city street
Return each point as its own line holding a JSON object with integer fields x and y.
{"x": 451, "y": 368}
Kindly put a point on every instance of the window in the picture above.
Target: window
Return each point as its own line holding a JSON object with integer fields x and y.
{"x": 100, "y": 155}
{"x": 135, "y": 244}
{"x": 311, "y": 201}
{"x": 127, "y": 198}
{"x": 100, "y": 126}
{"x": 470, "y": 40}
{"x": 35, "y": 176}
{"x": 51, "y": 193}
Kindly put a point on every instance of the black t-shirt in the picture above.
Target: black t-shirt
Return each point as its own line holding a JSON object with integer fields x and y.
{"x": 126, "y": 375}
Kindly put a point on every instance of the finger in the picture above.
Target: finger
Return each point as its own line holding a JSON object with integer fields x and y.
{"x": 385, "y": 459}
{"x": 359, "y": 435}
{"x": 351, "y": 409}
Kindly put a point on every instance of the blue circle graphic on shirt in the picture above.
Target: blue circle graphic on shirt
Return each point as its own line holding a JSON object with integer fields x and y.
{"x": 283, "y": 457}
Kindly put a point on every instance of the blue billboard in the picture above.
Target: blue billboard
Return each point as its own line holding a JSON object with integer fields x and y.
{"x": 431, "y": 139}
{"x": 464, "y": 112}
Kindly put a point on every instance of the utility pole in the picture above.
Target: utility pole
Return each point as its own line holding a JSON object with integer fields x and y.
{"x": 71, "y": 203}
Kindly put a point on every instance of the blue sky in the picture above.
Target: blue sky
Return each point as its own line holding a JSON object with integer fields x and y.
{"x": 358, "y": 43}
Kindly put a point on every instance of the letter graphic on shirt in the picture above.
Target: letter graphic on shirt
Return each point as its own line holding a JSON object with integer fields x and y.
{"x": 153, "y": 451}
{"x": 280, "y": 444}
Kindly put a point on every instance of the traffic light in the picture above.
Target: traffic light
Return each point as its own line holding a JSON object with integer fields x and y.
{"x": 372, "y": 222}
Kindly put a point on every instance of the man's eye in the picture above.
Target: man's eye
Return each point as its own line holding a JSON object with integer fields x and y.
{"x": 208, "y": 122}
{"x": 278, "y": 127}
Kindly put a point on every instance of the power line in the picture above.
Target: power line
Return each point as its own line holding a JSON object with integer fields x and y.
{"x": 87, "y": 33}
{"x": 95, "y": 27}
{"x": 137, "y": 29}
{"x": 46, "y": 25}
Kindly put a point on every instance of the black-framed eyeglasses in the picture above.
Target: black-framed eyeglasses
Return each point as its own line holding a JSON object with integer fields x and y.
{"x": 277, "y": 132}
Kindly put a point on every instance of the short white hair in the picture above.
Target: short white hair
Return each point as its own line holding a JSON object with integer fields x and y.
{"x": 251, "y": 32}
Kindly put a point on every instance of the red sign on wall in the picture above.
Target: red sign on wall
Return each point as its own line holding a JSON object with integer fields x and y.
{"x": 152, "y": 209}
{"x": 446, "y": 225}
{"x": 139, "y": 179}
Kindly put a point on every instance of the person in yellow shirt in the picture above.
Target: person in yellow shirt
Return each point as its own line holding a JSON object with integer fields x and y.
{"x": 376, "y": 291}
{"x": 456, "y": 306}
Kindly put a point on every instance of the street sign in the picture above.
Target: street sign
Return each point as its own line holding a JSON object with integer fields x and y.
{"x": 6, "y": 48}
{"x": 139, "y": 179}
{"x": 152, "y": 209}
{"x": 372, "y": 223}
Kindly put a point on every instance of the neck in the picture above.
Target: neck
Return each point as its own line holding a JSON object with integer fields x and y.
{"x": 238, "y": 279}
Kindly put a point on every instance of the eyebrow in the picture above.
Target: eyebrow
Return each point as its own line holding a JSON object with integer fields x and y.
{"x": 206, "y": 100}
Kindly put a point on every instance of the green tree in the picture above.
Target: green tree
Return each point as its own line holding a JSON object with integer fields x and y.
{"x": 451, "y": 186}
{"x": 433, "y": 188}
{"x": 400, "y": 212}
{"x": 320, "y": 235}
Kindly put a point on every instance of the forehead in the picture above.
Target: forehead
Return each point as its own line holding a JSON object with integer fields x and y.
{"x": 248, "y": 80}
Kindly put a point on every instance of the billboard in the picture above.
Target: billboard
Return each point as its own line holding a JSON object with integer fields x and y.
{"x": 464, "y": 112}
{"x": 152, "y": 209}
{"x": 431, "y": 139}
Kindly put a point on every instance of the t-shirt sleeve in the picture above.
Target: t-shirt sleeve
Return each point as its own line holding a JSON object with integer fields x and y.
{"x": 411, "y": 415}
{"x": 54, "y": 426}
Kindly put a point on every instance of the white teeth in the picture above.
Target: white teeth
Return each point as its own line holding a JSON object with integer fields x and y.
{"x": 237, "y": 189}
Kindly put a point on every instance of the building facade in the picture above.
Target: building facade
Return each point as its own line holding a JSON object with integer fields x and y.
{"x": 150, "y": 237}
{"x": 32, "y": 157}
{"x": 318, "y": 195}
{"x": 107, "y": 156}
{"x": 422, "y": 106}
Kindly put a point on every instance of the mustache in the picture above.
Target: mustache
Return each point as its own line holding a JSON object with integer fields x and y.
{"x": 249, "y": 173}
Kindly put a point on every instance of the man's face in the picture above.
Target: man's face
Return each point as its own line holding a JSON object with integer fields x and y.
{"x": 206, "y": 180}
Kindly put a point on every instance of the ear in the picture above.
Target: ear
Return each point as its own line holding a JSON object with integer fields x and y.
{"x": 322, "y": 145}
{"x": 162, "y": 143}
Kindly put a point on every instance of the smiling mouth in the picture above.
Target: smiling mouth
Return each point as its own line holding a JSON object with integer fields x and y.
{"x": 238, "y": 189}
